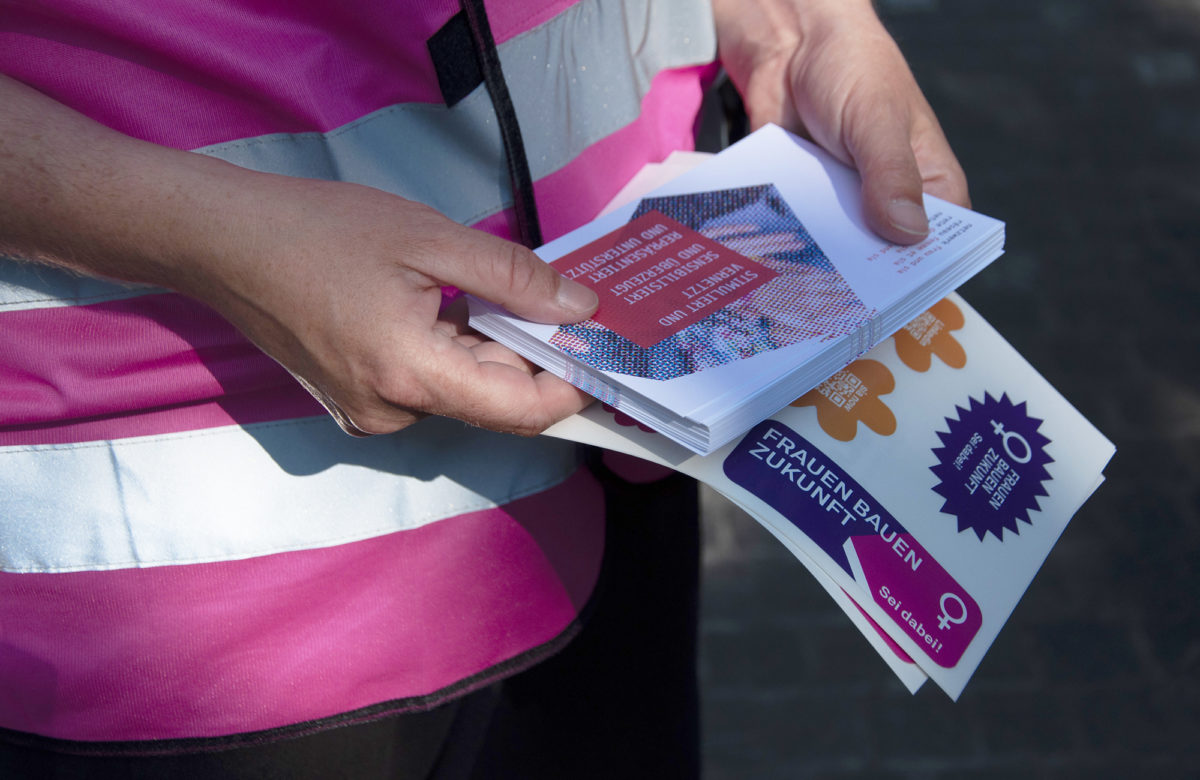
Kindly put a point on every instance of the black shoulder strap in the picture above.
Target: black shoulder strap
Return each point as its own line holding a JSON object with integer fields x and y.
{"x": 529, "y": 231}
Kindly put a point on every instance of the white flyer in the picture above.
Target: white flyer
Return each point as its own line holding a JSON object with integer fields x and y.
{"x": 928, "y": 480}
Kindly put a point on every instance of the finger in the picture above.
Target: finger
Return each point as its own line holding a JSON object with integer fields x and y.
{"x": 766, "y": 98}
{"x": 949, "y": 187}
{"x": 452, "y": 324}
{"x": 453, "y": 319}
{"x": 504, "y": 393}
{"x": 504, "y": 273}
{"x": 941, "y": 172}
{"x": 879, "y": 139}
{"x": 486, "y": 351}
{"x": 464, "y": 377}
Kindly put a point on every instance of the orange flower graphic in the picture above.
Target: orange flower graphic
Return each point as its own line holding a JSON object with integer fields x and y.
{"x": 930, "y": 334}
{"x": 851, "y": 396}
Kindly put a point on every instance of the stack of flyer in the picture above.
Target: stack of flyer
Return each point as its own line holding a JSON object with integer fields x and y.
{"x": 738, "y": 286}
{"x": 922, "y": 485}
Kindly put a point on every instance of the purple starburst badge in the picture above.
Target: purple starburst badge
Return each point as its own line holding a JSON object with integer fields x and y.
{"x": 991, "y": 466}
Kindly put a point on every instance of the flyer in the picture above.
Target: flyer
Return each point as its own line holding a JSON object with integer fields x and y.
{"x": 737, "y": 286}
{"x": 928, "y": 480}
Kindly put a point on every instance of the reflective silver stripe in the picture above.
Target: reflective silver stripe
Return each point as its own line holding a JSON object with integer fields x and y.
{"x": 574, "y": 80}
{"x": 237, "y": 492}
{"x": 29, "y": 285}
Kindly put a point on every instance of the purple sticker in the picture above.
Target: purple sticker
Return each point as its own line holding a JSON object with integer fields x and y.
{"x": 991, "y": 466}
{"x": 832, "y": 509}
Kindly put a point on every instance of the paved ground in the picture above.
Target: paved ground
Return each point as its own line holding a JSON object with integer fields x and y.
{"x": 1079, "y": 124}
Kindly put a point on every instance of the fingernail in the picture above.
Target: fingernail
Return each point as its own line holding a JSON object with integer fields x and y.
{"x": 908, "y": 216}
{"x": 573, "y": 296}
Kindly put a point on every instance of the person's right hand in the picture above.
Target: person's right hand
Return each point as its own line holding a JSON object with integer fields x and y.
{"x": 828, "y": 69}
{"x": 340, "y": 283}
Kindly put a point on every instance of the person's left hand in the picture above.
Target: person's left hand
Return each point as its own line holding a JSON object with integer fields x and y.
{"x": 828, "y": 69}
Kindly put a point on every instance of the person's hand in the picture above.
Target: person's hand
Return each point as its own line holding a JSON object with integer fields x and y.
{"x": 828, "y": 69}
{"x": 344, "y": 290}
{"x": 339, "y": 283}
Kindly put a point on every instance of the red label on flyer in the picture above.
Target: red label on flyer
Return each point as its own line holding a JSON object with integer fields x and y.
{"x": 656, "y": 276}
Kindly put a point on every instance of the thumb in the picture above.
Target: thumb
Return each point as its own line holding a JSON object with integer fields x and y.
{"x": 511, "y": 275}
{"x": 881, "y": 147}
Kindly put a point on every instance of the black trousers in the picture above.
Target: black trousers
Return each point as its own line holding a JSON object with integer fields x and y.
{"x": 620, "y": 700}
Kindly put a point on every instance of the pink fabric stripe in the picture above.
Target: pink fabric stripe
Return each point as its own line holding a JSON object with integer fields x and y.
{"x": 574, "y": 194}
{"x": 509, "y": 19}
{"x": 222, "y": 648}
{"x": 189, "y": 74}
{"x": 168, "y": 364}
